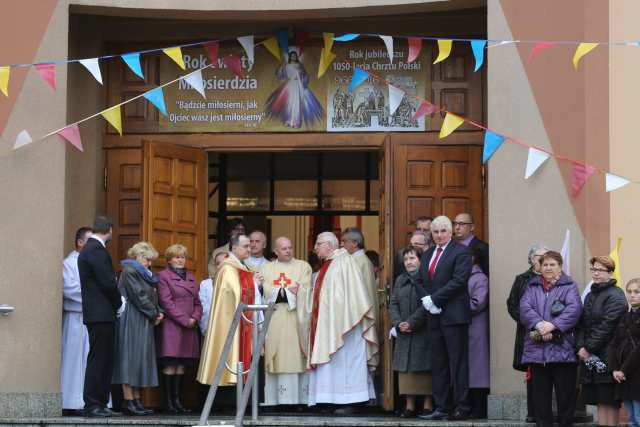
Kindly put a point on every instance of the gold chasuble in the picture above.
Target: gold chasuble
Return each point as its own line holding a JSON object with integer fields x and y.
{"x": 284, "y": 283}
{"x": 233, "y": 283}
{"x": 369, "y": 276}
{"x": 340, "y": 302}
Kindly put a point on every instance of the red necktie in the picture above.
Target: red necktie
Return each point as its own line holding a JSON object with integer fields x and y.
{"x": 432, "y": 267}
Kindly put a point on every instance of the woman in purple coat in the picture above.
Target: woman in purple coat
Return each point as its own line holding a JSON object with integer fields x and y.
{"x": 478, "y": 339}
{"x": 550, "y": 310}
{"x": 179, "y": 341}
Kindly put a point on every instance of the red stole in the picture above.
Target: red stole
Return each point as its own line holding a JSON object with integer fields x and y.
{"x": 316, "y": 306}
{"x": 247, "y": 297}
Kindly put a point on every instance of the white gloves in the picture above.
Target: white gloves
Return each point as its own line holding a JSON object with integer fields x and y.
{"x": 122, "y": 307}
{"x": 393, "y": 333}
{"x": 428, "y": 305}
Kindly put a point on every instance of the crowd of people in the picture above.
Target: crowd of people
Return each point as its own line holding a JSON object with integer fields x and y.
{"x": 323, "y": 343}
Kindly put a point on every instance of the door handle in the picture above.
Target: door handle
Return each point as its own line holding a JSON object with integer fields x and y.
{"x": 5, "y": 309}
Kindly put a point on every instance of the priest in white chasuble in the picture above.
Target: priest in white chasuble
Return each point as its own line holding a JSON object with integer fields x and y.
{"x": 343, "y": 341}
{"x": 234, "y": 282}
{"x": 286, "y": 278}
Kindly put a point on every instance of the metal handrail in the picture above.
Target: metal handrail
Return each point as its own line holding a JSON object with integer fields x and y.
{"x": 258, "y": 339}
{"x": 5, "y": 309}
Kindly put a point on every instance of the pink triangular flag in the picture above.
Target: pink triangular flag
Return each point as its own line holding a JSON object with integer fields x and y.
{"x": 212, "y": 51}
{"x": 415, "y": 45}
{"x": 537, "y": 48}
{"x": 579, "y": 175}
{"x": 233, "y": 63}
{"x": 72, "y": 134}
{"x": 424, "y": 109}
{"x": 48, "y": 73}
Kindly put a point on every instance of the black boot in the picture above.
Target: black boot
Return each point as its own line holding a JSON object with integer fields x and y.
{"x": 129, "y": 408}
{"x": 177, "y": 391}
{"x": 169, "y": 381}
{"x": 140, "y": 407}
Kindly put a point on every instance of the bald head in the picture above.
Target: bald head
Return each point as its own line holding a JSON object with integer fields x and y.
{"x": 258, "y": 242}
{"x": 283, "y": 249}
{"x": 463, "y": 226}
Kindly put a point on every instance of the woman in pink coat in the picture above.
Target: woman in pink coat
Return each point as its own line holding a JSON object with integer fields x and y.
{"x": 179, "y": 341}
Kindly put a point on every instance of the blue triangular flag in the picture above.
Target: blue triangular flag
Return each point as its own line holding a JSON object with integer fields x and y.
{"x": 133, "y": 61}
{"x": 156, "y": 97}
{"x": 359, "y": 76}
{"x": 478, "y": 51}
{"x": 492, "y": 141}
{"x": 346, "y": 37}
{"x": 283, "y": 41}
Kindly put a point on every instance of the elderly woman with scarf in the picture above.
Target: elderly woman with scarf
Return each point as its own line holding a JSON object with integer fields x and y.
{"x": 135, "y": 349}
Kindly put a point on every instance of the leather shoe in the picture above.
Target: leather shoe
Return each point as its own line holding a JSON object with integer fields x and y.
{"x": 408, "y": 413}
{"x": 434, "y": 416}
{"x": 129, "y": 407}
{"x": 97, "y": 412}
{"x": 458, "y": 416}
{"x": 530, "y": 419}
{"x": 114, "y": 413}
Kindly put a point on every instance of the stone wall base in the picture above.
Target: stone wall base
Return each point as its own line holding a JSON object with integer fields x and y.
{"x": 30, "y": 405}
{"x": 512, "y": 407}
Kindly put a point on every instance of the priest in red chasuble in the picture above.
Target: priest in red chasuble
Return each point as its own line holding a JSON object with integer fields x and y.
{"x": 343, "y": 342}
{"x": 234, "y": 282}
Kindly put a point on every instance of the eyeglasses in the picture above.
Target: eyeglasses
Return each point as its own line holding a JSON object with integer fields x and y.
{"x": 599, "y": 270}
{"x": 457, "y": 223}
{"x": 320, "y": 243}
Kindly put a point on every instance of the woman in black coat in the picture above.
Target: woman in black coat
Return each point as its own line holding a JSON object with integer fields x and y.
{"x": 603, "y": 308}
{"x": 513, "y": 306}
{"x": 409, "y": 320}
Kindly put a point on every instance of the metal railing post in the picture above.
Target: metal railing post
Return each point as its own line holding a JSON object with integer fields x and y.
{"x": 256, "y": 390}
{"x": 239, "y": 376}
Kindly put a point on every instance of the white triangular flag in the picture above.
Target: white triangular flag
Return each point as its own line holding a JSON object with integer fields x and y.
{"x": 395, "y": 97}
{"x": 247, "y": 44}
{"x": 94, "y": 68}
{"x": 535, "y": 159}
{"x": 22, "y": 139}
{"x": 613, "y": 182}
{"x": 195, "y": 81}
{"x": 388, "y": 42}
{"x": 566, "y": 253}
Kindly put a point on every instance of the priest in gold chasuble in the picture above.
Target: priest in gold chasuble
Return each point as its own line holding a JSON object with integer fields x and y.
{"x": 285, "y": 279}
{"x": 234, "y": 283}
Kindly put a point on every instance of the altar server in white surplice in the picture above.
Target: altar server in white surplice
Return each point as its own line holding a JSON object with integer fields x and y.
{"x": 285, "y": 279}
{"x": 75, "y": 339}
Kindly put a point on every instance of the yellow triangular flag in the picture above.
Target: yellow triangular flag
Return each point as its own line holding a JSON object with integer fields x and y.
{"x": 328, "y": 41}
{"x": 175, "y": 53}
{"x": 451, "y": 123}
{"x": 582, "y": 50}
{"x": 272, "y": 46}
{"x": 615, "y": 256}
{"x": 112, "y": 115}
{"x": 4, "y": 80}
{"x": 444, "y": 50}
{"x": 326, "y": 58}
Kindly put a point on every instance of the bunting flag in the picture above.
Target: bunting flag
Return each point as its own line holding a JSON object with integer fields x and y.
{"x": 395, "y": 98}
{"x": 565, "y": 252}
{"x": 4, "y": 80}
{"x": 477, "y": 46}
{"x": 283, "y": 40}
{"x": 492, "y": 141}
{"x": 451, "y": 123}
{"x": 233, "y": 63}
{"x": 535, "y": 159}
{"x": 71, "y": 134}
{"x": 359, "y": 77}
{"x": 424, "y": 109}
{"x": 247, "y": 45}
{"x": 535, "y": 51}
{"x": 22, "y": 139}
{"x": 579, "y": 175}
{"x": 195, "y": 81}
{"x": 346, "y": 37}
{"x": 326, "y": 58}
{"x": 415, "y": 45}
{"x": 133, "y": 62}
{"x": 175, "y": 53}
{"x": 113, "y": 116}
{"x": 272, "y": 46}
{"x": 388, "y": 42}
{"x": 444, "y": 50}
{"x": 156, "y": 97}
{"x": 615, "y": 256}
{"x": 212, "y": 52}
{"x": 93, "y": 66}
{"x": 48, "y": 73}
{"x": 327, "y": 38}
{"x": 614, "y": 182}
{"x": 582, "y": 50}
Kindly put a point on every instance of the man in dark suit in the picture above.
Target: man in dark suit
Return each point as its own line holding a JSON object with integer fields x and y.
{"x": 463, "y": 228}
{"x": 445, "y": 268}
{"x": 101, "y": 305}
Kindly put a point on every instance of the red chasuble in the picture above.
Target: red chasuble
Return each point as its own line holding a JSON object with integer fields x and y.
{"x": 316, "y": 306}
{"x": 248, "y": 297}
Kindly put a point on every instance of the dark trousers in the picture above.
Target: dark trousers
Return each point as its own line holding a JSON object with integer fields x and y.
{"x": 560, "y": 377}
{"x": 99, "y": 372}
{"x": 530, "y": 405}
{"x": 478, "y": 402}
{"x": 450, "y": 366}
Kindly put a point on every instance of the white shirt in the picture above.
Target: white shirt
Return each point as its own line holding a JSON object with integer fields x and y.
{"x": 257, "y": 262}
{"x": 95, "y": 236}
{"x": 206, "y": 294}
{"x": 72, "y": 295}
{"x": 359, "y": 252}
{"x": 435, "y": 252}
